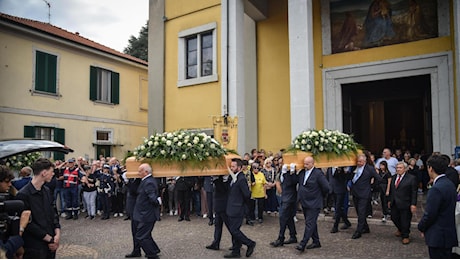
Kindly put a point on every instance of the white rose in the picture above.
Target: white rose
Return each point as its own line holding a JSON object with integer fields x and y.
{"x": 150, "y": 143}
{"x": 201, "y": 145}
{"x": 184, "y": 156}
{"x": 163, "y": 152}
{"x": 297, "y": 146}
{"x": 213, "y": 146}
{"x": 345, "y": 147}
{"x": 168, "y": 143}
{"x": 156, "y": 143}
{"x": 195, "y": 141}
{"x": 189, "y": 145}
{"x": 135, "y": 153}
{"x": 308, "y": 147}
{"x": 175, "y": 139}
{"x": 339, "y": 146}
{"x": 304, "y": 142}
{"x": 321, "y": 148}
{"x": 179, "y": 144}
{"x": 316, "y": 143}
{"x": 169, "y": 135}
{"x": 326, "y": 141}
{"x": 148, "y": 154}
{"x": 142, "y": 147}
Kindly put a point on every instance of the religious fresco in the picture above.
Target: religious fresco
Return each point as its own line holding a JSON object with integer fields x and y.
{"x": 362, "y": 24}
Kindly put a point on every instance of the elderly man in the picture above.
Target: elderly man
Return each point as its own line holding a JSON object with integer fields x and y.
{"x": 313, "y": 186}
{"x": 403, "y": 200}
{"x": 146, "y": 212}
{"x": 391, "y": 161}
{"x": 25, "y": 176}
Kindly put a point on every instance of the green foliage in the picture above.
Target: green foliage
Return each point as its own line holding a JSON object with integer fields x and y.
{"x": 17, "y": 162}
{"x": 138, "y": 47}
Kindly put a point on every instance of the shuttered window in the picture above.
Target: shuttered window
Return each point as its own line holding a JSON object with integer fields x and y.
{"x": 45, "y": 72}
{"x": 104, "y": 86}
{"x": 47, "y": 133}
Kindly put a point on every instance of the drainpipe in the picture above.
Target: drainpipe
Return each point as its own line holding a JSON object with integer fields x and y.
{"x": 224, "y": 53}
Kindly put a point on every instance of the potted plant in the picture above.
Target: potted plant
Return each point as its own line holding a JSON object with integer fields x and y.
{"x": 180, "y": 153}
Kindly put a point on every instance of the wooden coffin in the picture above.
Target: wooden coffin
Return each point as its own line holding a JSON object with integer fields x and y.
{"x": 213, "y": 167}
{"x": 321, "y": 160}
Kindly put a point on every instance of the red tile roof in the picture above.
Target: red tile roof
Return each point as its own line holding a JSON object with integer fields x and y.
{"x": 63, "y": 34}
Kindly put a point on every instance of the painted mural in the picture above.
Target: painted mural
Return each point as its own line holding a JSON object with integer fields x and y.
{"x": 362, "y": 24}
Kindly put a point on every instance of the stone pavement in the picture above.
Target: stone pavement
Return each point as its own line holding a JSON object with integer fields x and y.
{"x": 89, "y": 239}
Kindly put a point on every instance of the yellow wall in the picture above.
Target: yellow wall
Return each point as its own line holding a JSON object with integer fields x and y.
{"x": 190, "y": 106}
{"x": 273, "y": 79}
{"x": 76, "y": 112}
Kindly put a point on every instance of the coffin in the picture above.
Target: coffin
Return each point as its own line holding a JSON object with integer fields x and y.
{"x": 322, "y": 160}
{"x": 214, "y": 166}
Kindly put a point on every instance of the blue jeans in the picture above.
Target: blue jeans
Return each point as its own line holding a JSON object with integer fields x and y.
{"x": 59, "y": 192}
{"x": 71, "y": 200}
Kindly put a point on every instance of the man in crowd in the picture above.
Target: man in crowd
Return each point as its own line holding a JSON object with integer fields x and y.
{"x": 42, "y": 234}
{"x": 438, "y": 222}
{"x": 72, "y": 175}
{"x": 361, "y": 191}
{"x": 338, "y": 179}
{"x": 403, "y": 201}
{"x": 391, "y": 161}
{"x": 313, "y": 187}
{"x": 146, "y": 211}
{"x": 238, "y": 196}
{"x": 288, "y": 183}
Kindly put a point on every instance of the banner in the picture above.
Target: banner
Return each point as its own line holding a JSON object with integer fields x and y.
{"x": 226, "y": 131}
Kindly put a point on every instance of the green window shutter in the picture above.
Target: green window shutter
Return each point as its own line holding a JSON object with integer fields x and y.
{"x": 115, "y": 88}
{"x": 93, "y": 83}
{"x": 52, "y": 70}
{"x": 29, "y": 131}
{"x": 40, "y": 68}
{"x": 59, "y": 136}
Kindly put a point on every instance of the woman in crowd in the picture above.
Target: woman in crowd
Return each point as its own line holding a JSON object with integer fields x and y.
{"x": 271, "y": 204}
{"x": 89, "y": 191}
{"x": 258, "y": 193}
{"x": 384, "y": 186}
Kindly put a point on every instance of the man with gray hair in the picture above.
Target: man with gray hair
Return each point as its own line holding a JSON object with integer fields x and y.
{"x": 403, "y": 201}
{"x": 25, "y": 176}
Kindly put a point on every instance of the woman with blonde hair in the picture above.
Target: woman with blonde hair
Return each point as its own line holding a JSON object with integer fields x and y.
{"x": 271, "y": 203}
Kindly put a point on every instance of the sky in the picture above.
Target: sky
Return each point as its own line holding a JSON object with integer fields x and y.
{"x": 108, "y": 22}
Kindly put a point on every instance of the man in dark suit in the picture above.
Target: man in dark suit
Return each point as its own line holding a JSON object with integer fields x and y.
{"x": 438, "y": 222}
{"x": 361, "y": 191}
{"x": 238, "y": 196}
{"x": 288, "y": 183}
{"x": 133, "y": 185}
{"x": 313, "y": 187}
{"x": 146, "y": 211}
{"x": 338, "y": 179}
{"x": 221, "y": 188}
{"x": 403, "y": 201}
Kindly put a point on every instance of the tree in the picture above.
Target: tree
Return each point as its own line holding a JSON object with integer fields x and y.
{"x": 138, "y": 47}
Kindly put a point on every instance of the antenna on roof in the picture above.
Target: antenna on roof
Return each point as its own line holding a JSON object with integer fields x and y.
{"x": 49, "y": 10}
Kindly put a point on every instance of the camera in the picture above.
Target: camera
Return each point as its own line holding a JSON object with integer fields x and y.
{"x": 10, "y": 213}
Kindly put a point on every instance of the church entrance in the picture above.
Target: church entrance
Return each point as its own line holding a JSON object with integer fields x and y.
{"x": 394, "y": 113}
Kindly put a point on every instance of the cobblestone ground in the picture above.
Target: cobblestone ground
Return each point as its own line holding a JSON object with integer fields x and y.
{"x": 84, "y": 238}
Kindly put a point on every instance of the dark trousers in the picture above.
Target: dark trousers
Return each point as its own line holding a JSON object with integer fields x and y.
{"x": 234, "y": 225}
{"x": 220, "y": 220}
{"x": 183, "y": 197}
{"x": 105, "y": 204}
{"x": 401, "y": 218}
{"x": 210, "y": 204}
{"x": 71, "y": 200}
{"x": 286, "y": 218}
{"x": 361, "y": 205}
{"x": 311, "y": 226}
{"x": 143, "y": 235}
{"x": 384, "y": 199}
{"x": 440, "y": 252}
{"x": 260, "y": 208}
{"x": 35, "y": 253}
{"x": 340, "y": 212}
{"x": 136, "y": 245}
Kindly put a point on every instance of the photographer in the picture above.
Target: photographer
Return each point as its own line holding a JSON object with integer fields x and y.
{"x": 11, "y": 225}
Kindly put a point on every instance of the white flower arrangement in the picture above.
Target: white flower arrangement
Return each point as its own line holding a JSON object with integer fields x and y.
{"x": 325, "y": 141}
{"x": 17, "y": 162}
{"x": 183, "y": 147}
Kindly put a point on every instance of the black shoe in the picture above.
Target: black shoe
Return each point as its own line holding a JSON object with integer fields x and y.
{"x": 91, "y": 217}
{"x": 75, "y": 217}
{"x": 132, "y": 254}
{"x": 249, "y": 222}
{"x": 300, "y": 248}
{"x": 261, "y": 221}
{"x": 213, "y": 247}
{"x": 180, "y": 219}
{"x": 334, "y": 230}
{"x": 127, "y": 218}
{"x": 277, "y": 243}
{"x": 155, "y": 256}
{"x": 314, "y": 245}
{"x": 232, "y": 255}
{"x": 211, "y": 222}
{"x": 356, "y": 235}
{"x": 104, "y": 218}
{"x": 187, "y": 219}
{"x": 87, "y": 216}
{"x": 68, "y": 217}
{"x": 250, "y": 249}
{"x": 366, "y": 231}
{"x": 291, "y": 240}
{"x": 345, "y": 226}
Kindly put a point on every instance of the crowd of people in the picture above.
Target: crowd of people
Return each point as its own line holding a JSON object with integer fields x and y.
{"x": 267, "y": 186}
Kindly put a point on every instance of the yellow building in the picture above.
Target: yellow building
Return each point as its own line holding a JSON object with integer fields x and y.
{"x": 386, "y": 71}
{"x": 57, "y": 85}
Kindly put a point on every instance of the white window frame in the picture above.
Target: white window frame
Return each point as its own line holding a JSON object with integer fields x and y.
{"x": 182, "y": 55}
{"x": 105, "y": 130}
